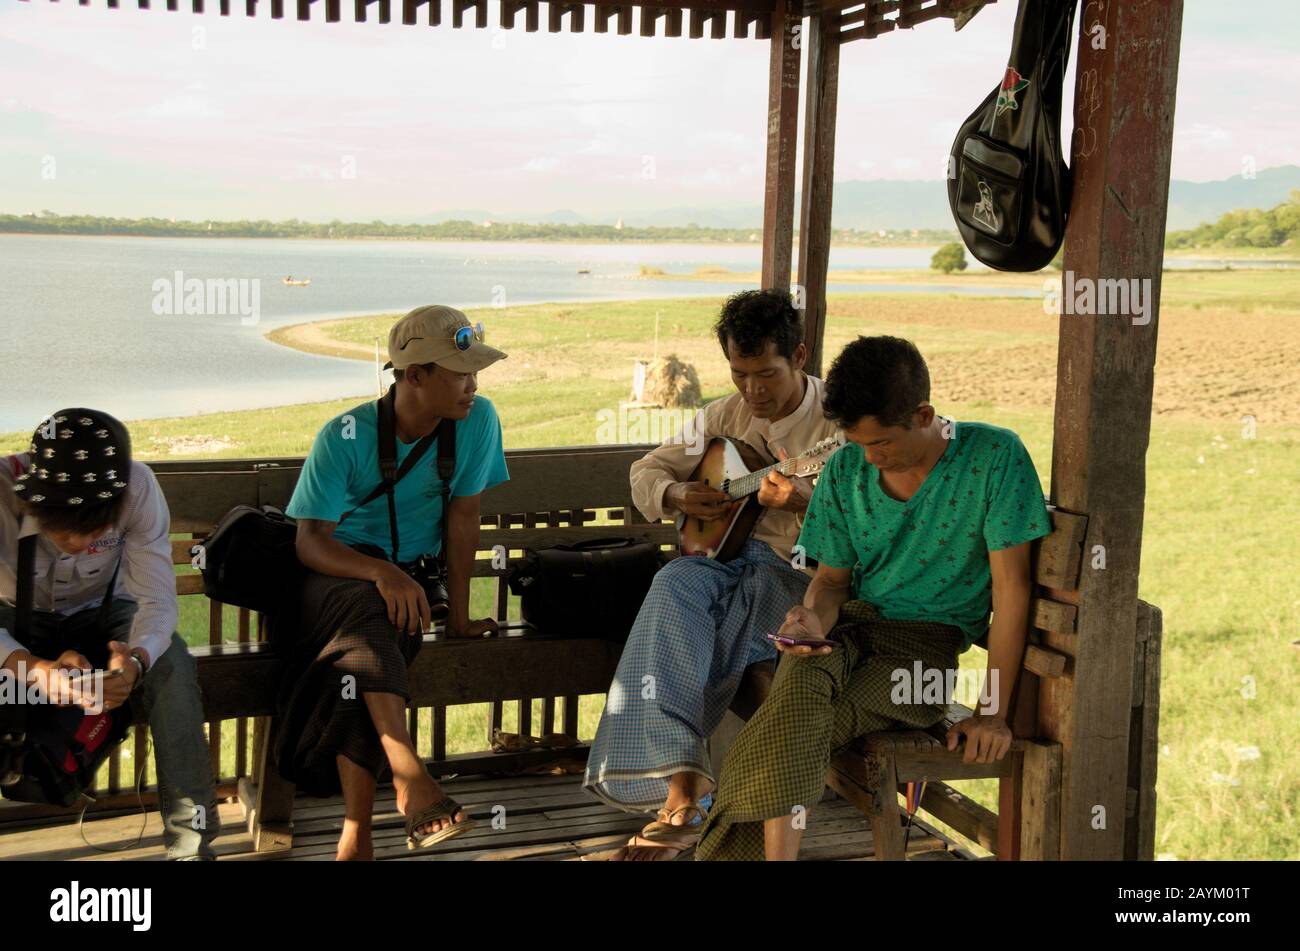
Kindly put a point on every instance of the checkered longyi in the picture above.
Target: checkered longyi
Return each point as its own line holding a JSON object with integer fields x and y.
{"x": 816, "y": 706}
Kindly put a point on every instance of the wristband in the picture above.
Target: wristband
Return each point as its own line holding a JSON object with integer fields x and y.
{"x": 140, "y": 664}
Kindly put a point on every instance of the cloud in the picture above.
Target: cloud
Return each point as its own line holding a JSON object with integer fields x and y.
{"x": 542, "y": 163}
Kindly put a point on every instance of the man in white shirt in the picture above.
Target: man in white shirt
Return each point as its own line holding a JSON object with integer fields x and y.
{"x": 704, "y": 620}
{"x": 99, "y": 519}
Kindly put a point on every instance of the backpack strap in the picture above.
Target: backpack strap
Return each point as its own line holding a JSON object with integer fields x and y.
{"x": 24, "y": 584}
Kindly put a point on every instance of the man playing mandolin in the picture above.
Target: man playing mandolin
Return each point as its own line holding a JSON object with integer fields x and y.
{"x": 706, "y": 615}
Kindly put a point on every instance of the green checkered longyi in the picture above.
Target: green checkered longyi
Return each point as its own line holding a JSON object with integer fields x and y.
{"x": 816, "y": 706}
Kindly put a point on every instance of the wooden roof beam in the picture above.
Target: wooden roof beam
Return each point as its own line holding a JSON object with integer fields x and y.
{"x": 649, "y": 17}
{"x": 864, "y": 21}
{"x": 409, "y": 8}
{"x": 510, "y": 8}
{"x": 605, "y": 11}
{"x": 761, "y": 19}
{"x": 458, "y": 8}
{"x": 359, "y": 10}
{"x": 716, "y": 20}
{"x": 555, "y": 12}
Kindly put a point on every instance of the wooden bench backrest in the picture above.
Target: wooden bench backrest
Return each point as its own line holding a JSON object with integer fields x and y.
{"x": 1056, "y": 561}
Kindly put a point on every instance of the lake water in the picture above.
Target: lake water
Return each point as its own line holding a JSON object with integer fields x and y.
{"x": 80, "y": 327}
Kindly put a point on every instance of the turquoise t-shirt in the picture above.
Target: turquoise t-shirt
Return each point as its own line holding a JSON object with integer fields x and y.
{"x": 343, "y": 467}
{"x": 928, "y": 558}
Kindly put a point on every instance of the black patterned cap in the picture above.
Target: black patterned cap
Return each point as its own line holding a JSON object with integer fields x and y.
{"x": 78, "y": 457}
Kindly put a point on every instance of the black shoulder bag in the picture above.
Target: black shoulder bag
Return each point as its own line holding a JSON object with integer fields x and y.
{"x": 250, "y": 559}
{"x": 52, "y": 752}
{"x": 589, "y": 589}
{"x": 1008, "y": 184}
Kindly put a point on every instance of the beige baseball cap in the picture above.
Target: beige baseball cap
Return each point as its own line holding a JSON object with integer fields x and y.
{"x": 428, "y": 335}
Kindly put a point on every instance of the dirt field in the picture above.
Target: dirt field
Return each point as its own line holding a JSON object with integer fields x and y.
{"x": 1211, "y": 364}
{"x": 1216, "y": 362}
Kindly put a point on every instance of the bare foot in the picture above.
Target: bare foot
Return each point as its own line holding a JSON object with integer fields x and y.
{"x": 420, "y": 794}
{"x": 355, "y": 849}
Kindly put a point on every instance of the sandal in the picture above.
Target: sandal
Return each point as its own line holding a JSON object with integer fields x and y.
{"x": 445, "y": 808}
{"x": 663, "y": 829}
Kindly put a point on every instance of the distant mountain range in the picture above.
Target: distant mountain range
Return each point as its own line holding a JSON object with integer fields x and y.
{"x": 895, "y": 205}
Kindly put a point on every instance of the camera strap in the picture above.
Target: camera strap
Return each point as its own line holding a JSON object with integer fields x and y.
{"x": 446, "y": 468}
{"x": 444, "y": 434}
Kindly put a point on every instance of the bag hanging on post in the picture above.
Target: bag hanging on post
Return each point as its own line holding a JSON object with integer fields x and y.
{"x": 589, "y": 589}
{"x": 1008, "y": 183}
{"x": 250, "y": 559}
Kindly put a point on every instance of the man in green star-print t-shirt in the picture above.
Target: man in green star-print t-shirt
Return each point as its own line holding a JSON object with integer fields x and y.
{"x": 927, "y": 558}
{"x": 920, "y": 526}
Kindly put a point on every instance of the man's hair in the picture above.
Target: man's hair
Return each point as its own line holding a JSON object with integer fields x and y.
{"x": 82, "y": 519}
{"x": 399, "y": 375}
{"x": 752, "y": 318}
{"x": 884, "y": 377}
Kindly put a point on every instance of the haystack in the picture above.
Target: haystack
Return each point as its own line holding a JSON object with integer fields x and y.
{"x": 670, "y": 382}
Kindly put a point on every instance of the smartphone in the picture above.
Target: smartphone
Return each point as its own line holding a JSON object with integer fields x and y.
{"x": 76, "y": 673}
{"x": 801, "y": 641}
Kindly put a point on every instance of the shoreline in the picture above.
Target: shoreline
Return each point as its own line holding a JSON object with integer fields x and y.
{"x": 309, "y": 336}
{"x": 1255, "y": 256}
{"x": 893, "y": 245}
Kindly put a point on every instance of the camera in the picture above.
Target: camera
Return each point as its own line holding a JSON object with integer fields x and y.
{"x": 432, "y": 577}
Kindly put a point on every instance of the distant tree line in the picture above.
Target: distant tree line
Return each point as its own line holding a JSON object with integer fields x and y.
{"x": 1246, "y": 228}
{"x": 47, "y": 222}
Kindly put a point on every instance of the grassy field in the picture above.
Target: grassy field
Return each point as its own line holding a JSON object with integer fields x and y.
{"x": 1222, "y": 473}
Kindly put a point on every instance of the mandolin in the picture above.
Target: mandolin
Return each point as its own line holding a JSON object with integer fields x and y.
{"x": 723, "y": 468}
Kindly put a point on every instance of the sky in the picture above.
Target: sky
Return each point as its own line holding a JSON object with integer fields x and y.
{"x": 147, "y": 112}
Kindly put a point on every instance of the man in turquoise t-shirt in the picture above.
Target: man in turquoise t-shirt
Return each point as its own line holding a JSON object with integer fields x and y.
{"x": 342, "y": 469}
{"x": 920, "y": 526}
{"x": 344, "y": 691}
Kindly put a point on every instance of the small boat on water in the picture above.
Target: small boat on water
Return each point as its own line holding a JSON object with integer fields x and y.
{"x": 290, "y": 282}
{"x": 584, "y": 270}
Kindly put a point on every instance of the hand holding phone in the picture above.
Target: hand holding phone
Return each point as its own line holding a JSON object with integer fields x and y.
{"x": 802, "y": 645}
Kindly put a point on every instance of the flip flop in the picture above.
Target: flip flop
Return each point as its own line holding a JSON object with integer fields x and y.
{"x": 445, "y": 808}
{"x": 663, "y": 829}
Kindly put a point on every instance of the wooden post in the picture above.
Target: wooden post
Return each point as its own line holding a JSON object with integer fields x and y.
{"x": 823, "y": 41}
{"x": 1123, "y": 126}
{"x": 1144, "y": 738}
{"x": 782, "y": 128}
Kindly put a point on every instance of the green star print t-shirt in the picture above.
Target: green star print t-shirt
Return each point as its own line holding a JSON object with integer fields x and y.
{"x": 928, "y": 558}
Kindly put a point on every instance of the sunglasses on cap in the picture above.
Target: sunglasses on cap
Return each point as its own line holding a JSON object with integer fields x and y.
{"x": 465, "y": 336}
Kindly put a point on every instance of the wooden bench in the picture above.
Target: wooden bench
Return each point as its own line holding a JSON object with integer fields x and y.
{"x": 873, "y": 770}
{"x": 553, "y": 497}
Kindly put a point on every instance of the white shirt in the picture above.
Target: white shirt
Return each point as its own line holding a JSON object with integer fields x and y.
{"x": 676, "y": 459}
{"x": 66, "y": 584}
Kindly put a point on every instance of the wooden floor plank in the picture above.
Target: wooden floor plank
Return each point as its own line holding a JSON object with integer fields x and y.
{"x": 548, "y": 818}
